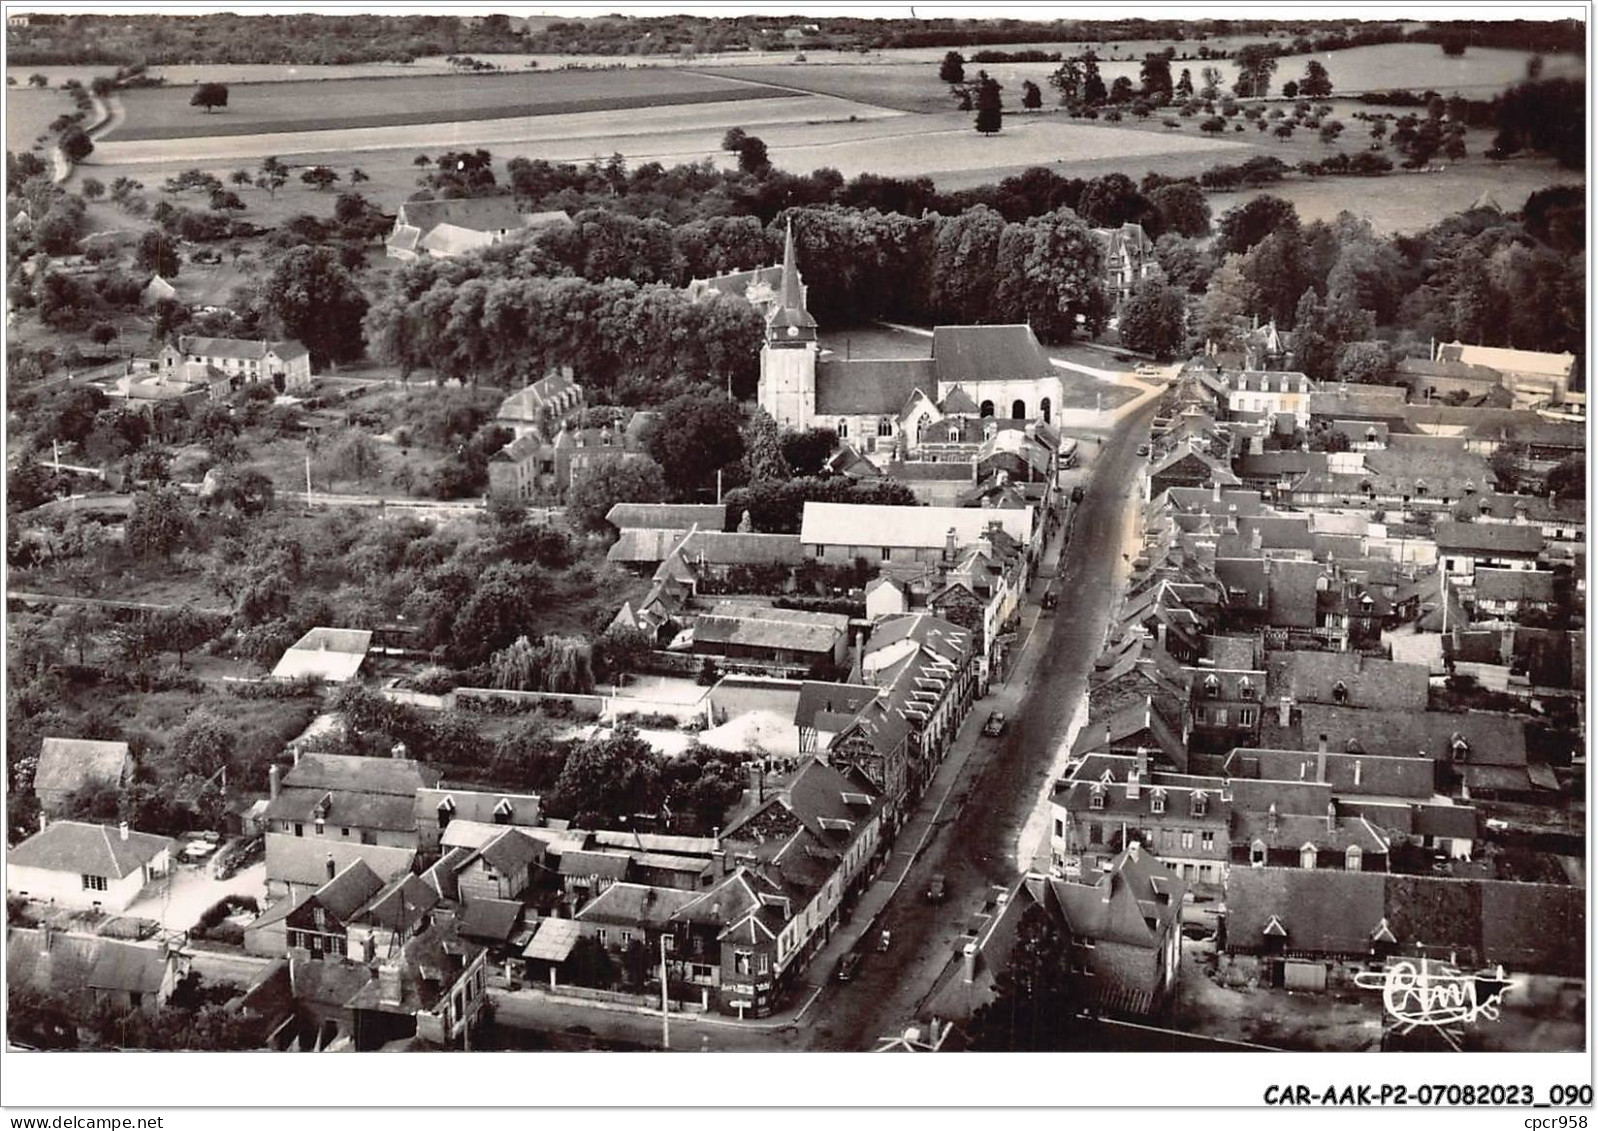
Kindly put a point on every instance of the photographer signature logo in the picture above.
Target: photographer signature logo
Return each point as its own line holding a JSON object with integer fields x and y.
{"x": 1425, "y": 992}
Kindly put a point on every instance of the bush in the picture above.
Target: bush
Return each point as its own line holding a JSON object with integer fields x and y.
{"x": 301, "y": 687}
{"x": 649, "y": 720}
{"x": 211, "y": 924}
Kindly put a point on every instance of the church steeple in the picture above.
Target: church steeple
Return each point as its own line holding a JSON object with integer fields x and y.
{"x": 790, "y": 323}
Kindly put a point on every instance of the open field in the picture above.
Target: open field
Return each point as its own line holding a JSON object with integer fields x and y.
{"x": 267, "y": 108}
{"x": 1410, "y": 202}
{"x": 29, "y": 113}
{"x": 648, "y": 133}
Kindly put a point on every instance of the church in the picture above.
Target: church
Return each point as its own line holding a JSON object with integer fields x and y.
{"x": 891, "y": 405}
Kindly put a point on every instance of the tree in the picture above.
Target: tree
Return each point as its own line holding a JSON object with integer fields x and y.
{"x": 1152, "y": 320}
{"x": 316, "y": 301}
{"x": 37, "y": 80}
{"x": 732, "y": 141}
{"x": 1247, "y": 224}
{"x": 1031, "y": 96}
{"x": 203, "y": 744}
{"x": 224, "y": 201}
{"x": 159, "y": 523}
{"x": 763, "y": 456}
{"x": 1256, "y": 64}
{"x": 180, "y": 630}
{"x": 952, "y": 69}
{"x": 1035, "y": 999}
{"x": 1184, "y": 86}
{"x": 320, "y": 177}
{"x": 102, "y": 333}
{"x": 359, "y": 176}
{"x": 1067, "y": 79}
{"x": 1290, "y": 88}
{"x": 1183, "y": 208}
{"x": 92, "y": 188}
{"x": 607, "y": 782}
{"x": 75, "y": 145}
{"x": 246, "y": 490}
{"x": 752, "y": 156}
{"x": 1568, "y": 478}
{"x": 1227, "y": 304}
{"x": 81, "y": 626}
{"x": 1093, "y": 90}
{"x": 1155, "y": 76}
{"x": 1362, "y": 363}
{"x": 806, "y": 451}
{"x": 242, "y": 178}
{"x": 209, "y": 95}
{"x": 602, "y": 485}
{"x": 696, "y": 436}
{"x": 352, "y": 456}
{"x": 990, "y": 106}
{"x": 1211, "y": 89}
{"x": 273, "y": 175}
{"x": 1317, "y": 82}
{"x": 1506, "y": 465}
{"x": 1121, "y": 91}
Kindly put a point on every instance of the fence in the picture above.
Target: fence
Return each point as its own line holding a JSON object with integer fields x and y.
{"x": 643, "y": 1003}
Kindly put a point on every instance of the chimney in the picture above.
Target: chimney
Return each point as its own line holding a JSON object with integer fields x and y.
{"x": 1256, "y": 540}
{"x": 400, "y": 750}
{"x": 970, "y": 956}
{"x": 1284, "y": 711}
{"x": 1320, "y": 761}
{"x": 296, "y": 752}
{"x": 1215, "y": 492}
{"x": 1331, "y": 816}
{"x": 1134, "y": 850}
{"x": 332, "y": 868}
{"x": 122, "y": 830}
{"x": 388, "y": 984}
{"x": 274, "y": 780}
{"x": 1133, "y": 785}
{"x": 1356, "y": 771}
{"x": 1270, "y": 818}
{"x": 1142, "y": 762}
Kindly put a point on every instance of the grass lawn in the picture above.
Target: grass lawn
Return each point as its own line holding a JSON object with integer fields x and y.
{"x": 160, "y": 113}
{"x": 29, "y": 112}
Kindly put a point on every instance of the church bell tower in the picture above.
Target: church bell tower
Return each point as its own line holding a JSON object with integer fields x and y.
{"x": 788, "y": 357}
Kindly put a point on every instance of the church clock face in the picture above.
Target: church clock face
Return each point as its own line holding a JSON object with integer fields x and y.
{"x": 793, "y": 331}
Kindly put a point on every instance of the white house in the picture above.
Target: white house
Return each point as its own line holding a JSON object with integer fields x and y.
{"x": 77, "y": 864}
{"x": 286, "y": 364}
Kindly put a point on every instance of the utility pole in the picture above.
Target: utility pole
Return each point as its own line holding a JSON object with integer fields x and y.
{"x": 307, "y": 479}
{"x": 665, "y": 1000}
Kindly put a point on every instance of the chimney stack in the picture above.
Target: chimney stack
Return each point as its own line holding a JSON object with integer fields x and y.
{"x": 1331, "y": 816}
{"x": 1284, "y": 711}
{"x": 1320, "y": 761}
{"x": 1256, "y": 540}
{"x": 1142, "y": 762}
{"x": 1133, "y": 785}
{"x": 970, "y": 962}
{"x": 1356, "y": 771}
{"x": 950, "y": 545}
{"x": 400, "y": 750}
{"x": 332, "y": 868}
{"x": 1270, "y": 817}
{"x": 1215, "y": 492}
{"x": 274, "y": 780}
{"x": 1134, "y": 850}
{"x": 122, "y": 830}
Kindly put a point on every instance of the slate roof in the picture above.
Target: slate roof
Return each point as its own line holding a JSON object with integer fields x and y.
{"x": 831, "y": 706}
{"x": 302, "y": 861}
{"x": 973, "y": 354}
{"x": 1439, "y": 463}
{"x": 528, "y": 403}
{"x": 626, "y": 904}
{"x": 67, "y": 764}
{"x": 1509, "y": 360}
{"x": 401, "y": 905}
{"x": 1487, "y": 538}
{"x": 1536, "y": 586}
{"x": 865, "y": 387}
{"x": 1135, "y": 886}
{"x": 443, "y": 876}
{"x": 87, "y": 850}
{"x": 51, "y": 961}
{"x": 126, "y": 968}
{"x": 667, "y": 516}
{"x": 349, "y": 890}
{"x": 941, "y": 471}
{"x": 511, "y": 851}
{"x": 345, "y": 808}
{"x": 1311, "y": 677}
{"x": 476, "y": 805}
{"x": 478, "y": 214}
{"x": 1494, "y": 740}
{"x": 430, "y": 966}
{"x": 397, "y": 777}
{"x": 239, "y": 348}
{"x": 760, "y": 627}
{"x": 1378, "y": 775}
{"x": 1322, "y": 910}
{"x": 606, "y": 865}
{"x": 490, "y": 920}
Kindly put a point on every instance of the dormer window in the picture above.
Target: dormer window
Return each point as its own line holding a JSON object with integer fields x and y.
{"x": 1096, "y": 799}
{"x": 1256, "y": 854}
{"x": 1339, "y": 692}
{"x": 1351, "y": 858}
{"x": 954, "y": 435}
{"x": 1212, "y": 687}
{"x": 1461, "y": 748}
{"x": 1245, "y": 688}
{"x": 1201, "y": 803}
{"x": 1157, "y": 801}
{"x": 1306, "y": 857}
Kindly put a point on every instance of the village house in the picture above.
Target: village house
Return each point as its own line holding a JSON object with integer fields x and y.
{"x": 1506, "y": 594}
{"x": 535, "y": 410}
{"x": 285, "y": 364}
{"x": 82, "y": 865}
{"x": 1270, "y": 395}
{"x": 443, "y": 229}
{"x": 501, "y": 868}
{"x": 334, "y": 655}
{"x": 67, "y": 765}
{"x": 342, "y": 804}
{"x": 1126, "y": 255}
{"x": 437, "y": 808}
{"x": 532, "y": 468}
{"x": 1534, "y": 378}
{"x": 891, "y": 535}
{"x": 1465, "y": 547}
{"x": 766, "y": 635}
{"x": 91, "y": 973}
{"x": 431, "y": 994}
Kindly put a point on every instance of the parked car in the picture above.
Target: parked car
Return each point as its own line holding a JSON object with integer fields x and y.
{"x": 847, "y": 966}
{"x": 885, "y": 940}
{"x": 1142, "y": 449}
{"x": 995, "y": 724}
{"x": 1149, "y": 370}
{"x": 937, "y": 889}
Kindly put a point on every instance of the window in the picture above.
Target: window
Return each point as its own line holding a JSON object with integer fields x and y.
{"x": 1340, "y": 689}
{"x": 94, "y": 883}
{"x": 1212, "y": 687}
{"x": 1245, "y": 689}
{"x": 344, "y": 832}
{"x": 1208, "y": 842}
{"x": 669, "y": 943}
{"x": 1256, "y": 854}
{"x": 1096, "y": 800}
{"x": 1201, "y": 804}
{"x": 1093, "y": 834}
{"x": 1245, "y": 717}
{"x": 1306, "y": 856}
{"x": 765, "y": 963}
{"x": 1351, "y": 858}
{"x": 843, "y": 429}
{"x": 299, "y": 829}
{"x": 1059, "y": 827}
{"x": 1219, "y": 717}
{"x": 887, "y": 553}
{"x": 884, "y": 427}
{"x": 1187, "y": 840}
{"x": 1157, "y": 803}
{"x": 320, "y": 917}
{"x": 626, "y": 937}
{"x": 742, "y": 962}
{"x": 321, "y": 826}
{"x": 600, "y": 935}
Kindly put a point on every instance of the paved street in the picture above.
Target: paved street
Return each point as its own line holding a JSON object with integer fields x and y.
{"x": 969, "y": 822}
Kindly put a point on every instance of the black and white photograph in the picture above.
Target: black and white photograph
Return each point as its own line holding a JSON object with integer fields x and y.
{"x": 797, "y": 529}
